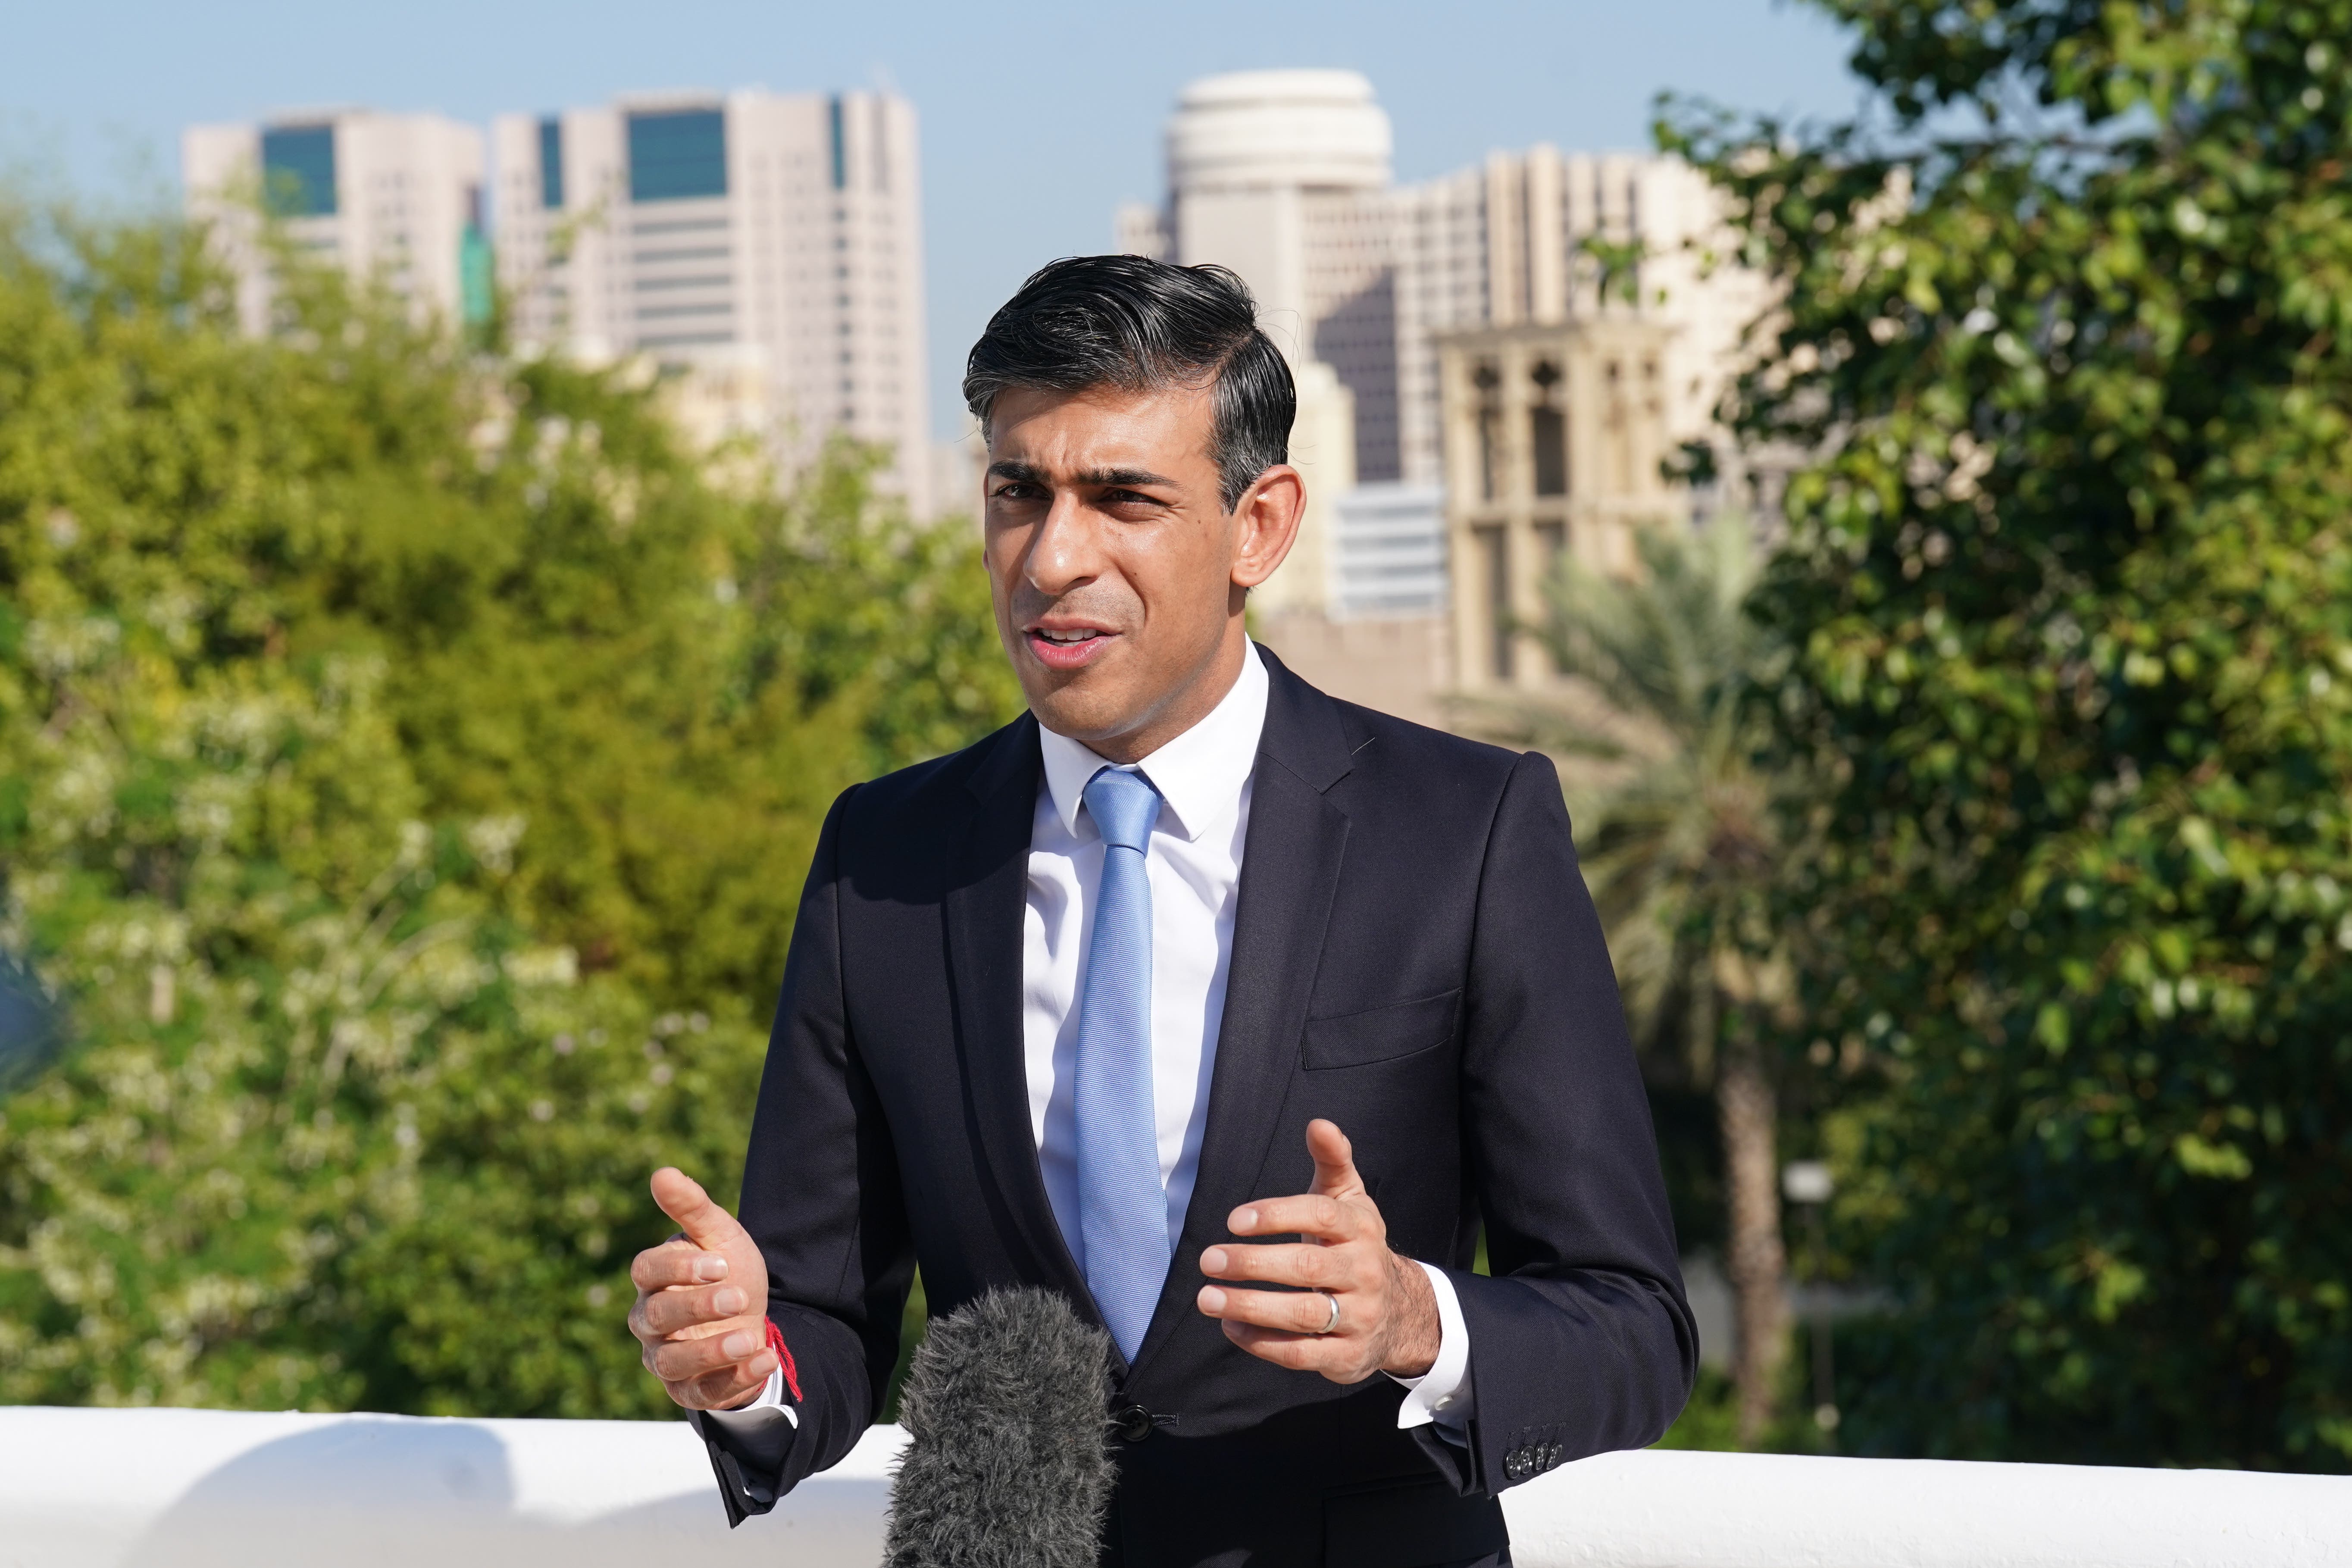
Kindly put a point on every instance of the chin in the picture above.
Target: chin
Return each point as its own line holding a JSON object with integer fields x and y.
{"x": 1075, "y": 707}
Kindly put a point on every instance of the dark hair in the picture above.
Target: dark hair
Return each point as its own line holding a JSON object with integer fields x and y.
{"x": 1132, "y": 322}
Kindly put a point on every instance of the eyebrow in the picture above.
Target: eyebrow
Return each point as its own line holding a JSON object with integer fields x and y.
{"x": 1101, "y": 478}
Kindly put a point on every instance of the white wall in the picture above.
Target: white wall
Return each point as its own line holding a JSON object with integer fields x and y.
{"x": 186, "y": 1488}
{"x": 190, "y": 1489}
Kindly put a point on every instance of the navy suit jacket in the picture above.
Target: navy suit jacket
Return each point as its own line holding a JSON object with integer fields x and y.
{"x": 1414, "y": 957}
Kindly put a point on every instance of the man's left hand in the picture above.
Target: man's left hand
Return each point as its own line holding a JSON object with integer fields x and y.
{"x": 1388, "y": 1314}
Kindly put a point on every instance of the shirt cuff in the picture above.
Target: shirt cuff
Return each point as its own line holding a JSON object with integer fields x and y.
{"x": 772, "y": 1397}
{"x": 1443, "y": 1394}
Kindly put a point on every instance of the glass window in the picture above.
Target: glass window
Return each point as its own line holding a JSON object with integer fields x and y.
{"x": 550, "y": 163}
{"x": 1548, "y": 432}
{"x": 1490, "y": 430}
{"x": 477, "y": 278}
{"x": 1548, "y": 428}
{"x": 840, "y": 153}
{"x": 298, "y": 170}
{"x": 677, "y": 155}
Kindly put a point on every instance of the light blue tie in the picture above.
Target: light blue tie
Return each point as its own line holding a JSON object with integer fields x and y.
{"x": 1122, "y": 1209}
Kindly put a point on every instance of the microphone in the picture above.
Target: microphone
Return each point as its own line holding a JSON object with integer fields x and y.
{"x": 1006, "y": 1404}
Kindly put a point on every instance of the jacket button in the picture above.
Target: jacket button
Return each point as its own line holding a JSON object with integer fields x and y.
{"x": 1131, "y": 1424}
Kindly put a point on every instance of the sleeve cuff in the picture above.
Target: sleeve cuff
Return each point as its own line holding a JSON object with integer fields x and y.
{"x": 772, "y": 1397}
{"x": 1443, "y": 1394}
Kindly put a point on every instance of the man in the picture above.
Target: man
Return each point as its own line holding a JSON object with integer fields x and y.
{"x": 1189, "y": 960}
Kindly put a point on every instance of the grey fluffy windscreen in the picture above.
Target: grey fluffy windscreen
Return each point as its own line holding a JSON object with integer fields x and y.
{"x": 1006, "y": 1408}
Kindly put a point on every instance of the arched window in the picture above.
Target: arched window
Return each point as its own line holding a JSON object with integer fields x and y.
{"x": 1548, "y": 432}
{"x": 1489, "y": 382}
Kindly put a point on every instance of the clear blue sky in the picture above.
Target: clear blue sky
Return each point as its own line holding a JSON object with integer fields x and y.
{"x": 1038, "y": 118}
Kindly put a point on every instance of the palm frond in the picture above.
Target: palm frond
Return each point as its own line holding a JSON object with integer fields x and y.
{"x": 1676, "y": 843}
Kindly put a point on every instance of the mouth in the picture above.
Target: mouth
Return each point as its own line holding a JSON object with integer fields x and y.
{"x": 1067, "y": 648}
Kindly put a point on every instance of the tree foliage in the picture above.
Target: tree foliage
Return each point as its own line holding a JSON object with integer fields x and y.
{"x": 2067, "y": 327}
{"x": 409, "y": 760}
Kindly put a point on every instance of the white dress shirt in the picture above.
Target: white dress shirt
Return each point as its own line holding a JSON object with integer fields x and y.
{"x": 1194, "y": 868}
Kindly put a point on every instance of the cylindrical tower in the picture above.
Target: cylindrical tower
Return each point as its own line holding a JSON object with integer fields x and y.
{"x": 1310, "y": 130}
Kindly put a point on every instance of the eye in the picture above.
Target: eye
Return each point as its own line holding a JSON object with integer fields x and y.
{"x": 1017, "y": 489}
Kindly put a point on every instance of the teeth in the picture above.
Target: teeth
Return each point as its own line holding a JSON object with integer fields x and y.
{"x": 1067, "y": 637}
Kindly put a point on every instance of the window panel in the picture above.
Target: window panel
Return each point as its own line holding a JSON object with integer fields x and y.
{"x": 298, "y": 170}
{"x": 677, "y": 155}
{"x": 550, "y": 163}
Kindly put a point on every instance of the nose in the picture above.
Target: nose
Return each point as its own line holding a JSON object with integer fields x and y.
{"x": 1063, "y": 554}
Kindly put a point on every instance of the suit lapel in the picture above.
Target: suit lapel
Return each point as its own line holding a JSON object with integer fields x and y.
{"x": 984, "y": 910}
{"x": 1290, "y": 871}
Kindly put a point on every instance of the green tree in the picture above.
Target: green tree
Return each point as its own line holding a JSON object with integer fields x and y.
{"x": 2067, "y": 324}
{"x": 1683, "y": 849}
{"x": 408, "y": 765}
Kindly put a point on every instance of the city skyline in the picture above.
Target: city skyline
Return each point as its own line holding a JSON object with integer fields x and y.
{"x": 98, "y": 96}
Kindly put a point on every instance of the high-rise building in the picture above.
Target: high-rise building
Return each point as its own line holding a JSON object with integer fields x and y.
{"x": 767, "y": 249}
{"x": 1283, "y": 176}
{"x": 393, "y": 198}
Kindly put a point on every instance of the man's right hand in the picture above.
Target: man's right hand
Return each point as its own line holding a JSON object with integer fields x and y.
{"x": 701, "y": 1313}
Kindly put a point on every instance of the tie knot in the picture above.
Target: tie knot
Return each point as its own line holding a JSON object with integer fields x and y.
{"x": 1124, "y": 807}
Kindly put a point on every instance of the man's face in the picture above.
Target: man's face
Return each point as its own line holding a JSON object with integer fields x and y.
{"x": 1118, "y": 575}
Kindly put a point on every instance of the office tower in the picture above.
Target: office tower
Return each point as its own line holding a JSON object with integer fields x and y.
{"x": 1281, "y": 175}
{"x": 766, "y": 250}
{"x": 395, "y": 198}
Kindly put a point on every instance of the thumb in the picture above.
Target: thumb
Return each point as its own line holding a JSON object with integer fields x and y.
{"x": 682, "y": 1198}
{"x": 1335, "y": 1161}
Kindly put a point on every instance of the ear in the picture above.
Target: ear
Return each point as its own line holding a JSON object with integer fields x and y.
{"x": 1265, "y": 524}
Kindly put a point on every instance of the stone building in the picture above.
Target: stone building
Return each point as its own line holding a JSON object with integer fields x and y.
{"x": 1553, "y": 438}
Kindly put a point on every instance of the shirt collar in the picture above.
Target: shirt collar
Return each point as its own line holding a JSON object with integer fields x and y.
{"x": 1199, "y": 774}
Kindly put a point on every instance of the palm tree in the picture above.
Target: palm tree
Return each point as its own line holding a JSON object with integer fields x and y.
{"x": 1682, "y": 852}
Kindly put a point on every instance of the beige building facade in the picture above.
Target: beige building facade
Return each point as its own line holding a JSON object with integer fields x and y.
{"x": 1543, "y": 236}
{"x": 1553, "y": 437}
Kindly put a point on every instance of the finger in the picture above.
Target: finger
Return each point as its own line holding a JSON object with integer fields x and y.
{"x": 687, "y": 1360}
{"x": 729, "y": 1388}
{"x": 682, "y": 1198}
{"x": 1308, "y": 1264}
{"x": 1285, "y": 1311}
{"x": 676, "y": 1263}
{"x": 669, "y": 1311}
{"x": 1335, "y": 1161}
{"x": 1310, "y": 1215}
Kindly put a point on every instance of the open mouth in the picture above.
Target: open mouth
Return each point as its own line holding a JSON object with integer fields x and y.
{"x": 1067, "y": 648}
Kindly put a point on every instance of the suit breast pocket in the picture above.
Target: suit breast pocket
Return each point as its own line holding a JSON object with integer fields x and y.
{"x": 1381, "y": 1034}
